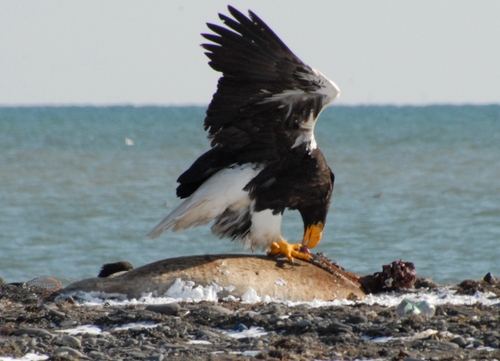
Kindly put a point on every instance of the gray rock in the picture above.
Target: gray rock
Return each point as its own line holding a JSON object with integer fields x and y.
{"x": 441, "y": 345}
{"x": 460, "y": 341}
{"x": 159, "y": 357}
{"x": 90, "y": 341}
{"x": 441, "y": 325}
{"x": 71, "y": 341}
{"x": 131, "y": 342}
{"x": 35, "y": 349}
{"x": 57, "y": 313}
{"x": 38, "y": 332}
{"x": 137, "y": 355}
{"x": 169, "y": 309}
{"x": 62, "y": 351}
{"x": 208, "y": 334}
{"x": 477, "y": 343}
{"x": 53, "y": 310}
{"x": 68, "y": 323}
{"x": 357, "y": 319}
{"x": 218, "y": 309}
{"x": 339, "y": 327}
{"x": 97, "y": 355}
{"x": 303, "y": 324}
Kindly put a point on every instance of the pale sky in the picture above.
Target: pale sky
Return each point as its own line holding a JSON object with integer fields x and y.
{"x": 147, "y": 52}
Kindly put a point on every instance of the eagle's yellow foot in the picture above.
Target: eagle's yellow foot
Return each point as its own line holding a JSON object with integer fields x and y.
{"x": 291, "y": 251}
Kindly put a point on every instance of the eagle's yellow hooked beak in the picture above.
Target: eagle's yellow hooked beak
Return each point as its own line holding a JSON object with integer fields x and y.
{"x": 312, "y": 235}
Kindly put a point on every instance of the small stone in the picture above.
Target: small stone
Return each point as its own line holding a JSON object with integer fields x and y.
{"x": 303, "y": 324}
{"x": 159, "y": 357}
{"x": 490, "y": 278}
{"x": 57, "y": 313}
{"x": 97, "y": 355}
{"x": 493, "y": 343}
{"x": 68, "y": 323}
{"x": 61, "y": 351}
{"x": 131, "y": 342}
{"x": 33, "y": 332}
{"x": 357, "y": 319}
{"x": 169, "y": 309}
{"x": 339, "y": 327}
{"x": 441, "y": 325}
{"x": 218, "y": 309}
{"x": 442, "y": 345}
{"x": 137, "y": 355}
{"x": 32, "y": 342}
{"x": 492, "y": 333}
{"x": 208, "y": 334}
{"x": 39, "y": 350}
{"x": 460, "y": 341}
{"x": 90, "y": 341}
{"x": 477, "y": 343}
{"x": 71, "y": 341}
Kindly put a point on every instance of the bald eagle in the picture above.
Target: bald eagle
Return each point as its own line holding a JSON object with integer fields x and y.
{"x": 263, "y": 157}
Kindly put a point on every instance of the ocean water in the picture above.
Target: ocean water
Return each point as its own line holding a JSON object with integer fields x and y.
{"x": 81, "y": 186}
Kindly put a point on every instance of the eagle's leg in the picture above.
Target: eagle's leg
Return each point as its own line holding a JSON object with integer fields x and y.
{"x": 290, "y": 251}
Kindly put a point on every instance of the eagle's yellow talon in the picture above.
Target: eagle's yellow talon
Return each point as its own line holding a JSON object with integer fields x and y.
{"x": 290, "y": 251}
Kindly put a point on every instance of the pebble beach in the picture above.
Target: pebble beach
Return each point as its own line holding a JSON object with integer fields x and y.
{"x": 463, "y": 325}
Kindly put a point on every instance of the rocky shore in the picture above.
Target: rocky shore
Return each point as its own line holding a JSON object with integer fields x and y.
{"x": 39, "y": 327}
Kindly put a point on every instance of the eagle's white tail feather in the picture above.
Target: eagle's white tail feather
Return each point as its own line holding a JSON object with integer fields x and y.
{"x": 222, "y": 190}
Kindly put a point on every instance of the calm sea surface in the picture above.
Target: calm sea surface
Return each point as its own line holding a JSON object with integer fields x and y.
{"x": 81, "y": 186}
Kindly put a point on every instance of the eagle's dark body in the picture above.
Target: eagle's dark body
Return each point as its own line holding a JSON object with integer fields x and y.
{"x": 264, "y": 157}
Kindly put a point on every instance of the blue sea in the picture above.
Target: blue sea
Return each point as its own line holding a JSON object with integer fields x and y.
{"x": 82, "y": 186}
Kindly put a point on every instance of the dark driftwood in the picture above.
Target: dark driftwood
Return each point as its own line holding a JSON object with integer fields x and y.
{"x": 267, "y": 276}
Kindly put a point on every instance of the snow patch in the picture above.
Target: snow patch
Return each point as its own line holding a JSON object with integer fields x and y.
{"x": 90, "y": 329}
{"x": 27, "y": 357}
{"x": 251, "y": 332}
{"x": 188, "y": 291}
{"x": 251, "y": 296}
{"x": 199, "y": 342}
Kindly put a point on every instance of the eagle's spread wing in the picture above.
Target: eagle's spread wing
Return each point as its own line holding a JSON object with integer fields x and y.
{"x": 267, "y": 99}
{"x": 264, "y": 158}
